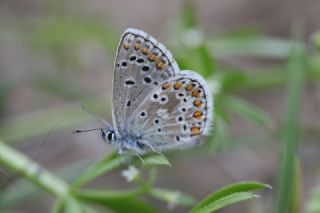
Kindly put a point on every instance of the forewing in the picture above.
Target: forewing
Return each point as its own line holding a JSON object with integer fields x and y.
{"x": 142, "y": 64}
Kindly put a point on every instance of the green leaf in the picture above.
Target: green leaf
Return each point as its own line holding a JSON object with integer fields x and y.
{"x": 225, "y": 201}
{"x": 247, "y": 110}
{"x": 174, "y": 197}
{"x": 229, "y": 190}
{"x": 156, "y": 159}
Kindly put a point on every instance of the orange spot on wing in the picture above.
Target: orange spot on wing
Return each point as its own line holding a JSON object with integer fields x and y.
{"x": 152, "y": 57}
{"x": 145, "y": 50}
{"x": 197, "y": 103}
{"x": 197, "y": 114}
{"x": 177, "y": 85}
{"x": 166, "y": 86}
{"x": 195, "y": 130}
{"x": 189, "y": 87}
{"x": 126, "y": 46}
{"x": 196, "y": 93}
{"x": 137, "y": 46}
{"x": 161, "y": 64}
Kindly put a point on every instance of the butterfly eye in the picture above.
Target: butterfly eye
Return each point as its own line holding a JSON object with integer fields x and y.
{"x": 109, "y": 136}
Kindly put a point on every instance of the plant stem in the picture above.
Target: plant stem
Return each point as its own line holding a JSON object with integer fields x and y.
{"x": 18, "y": 162}
{"x": 288, "y": 176}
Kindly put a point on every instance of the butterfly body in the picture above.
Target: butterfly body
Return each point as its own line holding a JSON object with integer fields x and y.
{"x": 155, "y": 105}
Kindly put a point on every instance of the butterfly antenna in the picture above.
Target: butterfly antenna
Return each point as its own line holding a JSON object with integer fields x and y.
{"x": 86, "y": 130}
{"x": 94, "y": 115}
{"x": 52, "y": 130}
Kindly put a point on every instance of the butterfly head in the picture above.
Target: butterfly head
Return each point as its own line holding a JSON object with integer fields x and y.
{"x": 108, "y": 135}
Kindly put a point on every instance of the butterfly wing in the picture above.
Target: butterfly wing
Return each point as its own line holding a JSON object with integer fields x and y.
{"x": 175, "y": 114}
{"x": 141, "y": 65}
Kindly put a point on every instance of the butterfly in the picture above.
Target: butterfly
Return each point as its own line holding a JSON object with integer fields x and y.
{"x": 155, "y": 105}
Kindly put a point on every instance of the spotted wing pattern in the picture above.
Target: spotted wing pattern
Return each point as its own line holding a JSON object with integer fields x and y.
{"x": 153, "y": 100}
{"x": 141, "y": 64}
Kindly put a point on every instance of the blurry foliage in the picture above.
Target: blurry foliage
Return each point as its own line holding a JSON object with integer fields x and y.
{"x": 58, "y": 35}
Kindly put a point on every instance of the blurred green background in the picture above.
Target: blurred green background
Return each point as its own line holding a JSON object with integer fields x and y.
{"x": 260, "y": 58}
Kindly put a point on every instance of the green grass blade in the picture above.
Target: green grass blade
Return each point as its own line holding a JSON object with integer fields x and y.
{"x": 285, "y": 196}
{"x": 247, "y": 110}
{"x": 225, "y": 201}
{"x": 229, "y": 190}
